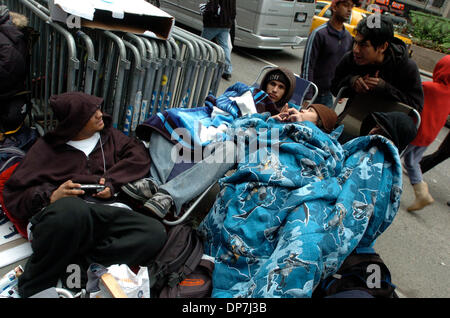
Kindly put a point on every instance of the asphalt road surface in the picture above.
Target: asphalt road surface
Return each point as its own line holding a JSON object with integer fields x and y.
{"x": 416, "y": 246}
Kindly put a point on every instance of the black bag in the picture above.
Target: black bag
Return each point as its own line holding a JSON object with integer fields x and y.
{"x": 14, "y": 146}
{"x": 181, "y": 270}
{"x": 355, "y": 275}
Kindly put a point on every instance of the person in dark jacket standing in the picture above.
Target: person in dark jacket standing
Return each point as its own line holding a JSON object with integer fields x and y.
{"x": 64, "y": 228}
{"x": 218, "y": 18}
{"x": 379, "y": 64}
{"x": 324, "y": 49}
{"x": 13, "y": 70}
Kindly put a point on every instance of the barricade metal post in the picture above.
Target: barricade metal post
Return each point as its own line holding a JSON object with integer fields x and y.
{"x": 134, "y": 91}
{"x": 168, "y": 75}
{"x": 159, "y": 76}
{"x": 124, "y": 64}
{"x": 149, "y": 80}
{"x": 188, "y": 70}
{"x": 174, "y": 77}
{"x": 91, "y": 63}
{"x": 156, "y": 78}
{"x": 145, "y": 64}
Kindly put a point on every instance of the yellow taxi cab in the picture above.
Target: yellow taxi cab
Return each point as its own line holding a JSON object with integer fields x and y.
{"x": 323, "y": 13}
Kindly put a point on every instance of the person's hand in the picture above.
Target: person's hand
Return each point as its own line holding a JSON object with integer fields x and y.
{"x": 294, "y": 115}
{"x": 285, "y": 108}
{"x": 281, "y": 116}
{"x": 105, "y": 193}
{"x": 360, "y": 85}
{"x": 67, "y": 189}
{"x": 372, "y": 82}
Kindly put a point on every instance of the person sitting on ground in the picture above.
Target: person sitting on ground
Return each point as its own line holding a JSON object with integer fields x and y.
{"x": 161, "y": 191}
{"x": 44, "y": 190}
{"x": 379, "y": 64}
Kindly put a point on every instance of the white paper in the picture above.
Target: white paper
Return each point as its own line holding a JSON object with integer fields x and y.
{"x": 133, "y": 285}
{"x": 15, "y": 254}
{"x": 6, "y": 231}
{"x": 86, "y": 8}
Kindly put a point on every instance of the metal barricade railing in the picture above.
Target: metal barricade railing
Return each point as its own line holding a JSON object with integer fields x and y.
{"x": 136, "y": 76}
{"x": 54, "y": 61}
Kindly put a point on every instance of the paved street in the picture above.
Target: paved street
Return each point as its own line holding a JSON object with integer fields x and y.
{"x": 415, "y": 247}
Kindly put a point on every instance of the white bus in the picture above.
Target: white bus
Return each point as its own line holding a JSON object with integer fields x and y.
{"x": 260, "y": 24}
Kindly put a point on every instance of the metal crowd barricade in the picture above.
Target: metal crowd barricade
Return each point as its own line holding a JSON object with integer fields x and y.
{"x": 215, "y": 64}
{"x": 137, "y": 76}
{"x": 54, "y": 61}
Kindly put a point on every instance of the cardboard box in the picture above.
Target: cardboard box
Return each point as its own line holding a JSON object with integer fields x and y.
{"x": 135, "y": 16}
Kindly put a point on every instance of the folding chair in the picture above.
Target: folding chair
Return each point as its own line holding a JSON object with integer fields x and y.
{"x": 359, "y": 106}
{"x": 202, "y": 204}
{"x": 301, "y": 87}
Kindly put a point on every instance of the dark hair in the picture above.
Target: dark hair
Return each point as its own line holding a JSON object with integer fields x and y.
{"x": 376, "y": 33}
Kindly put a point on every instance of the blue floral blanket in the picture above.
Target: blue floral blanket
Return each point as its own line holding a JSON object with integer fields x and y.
{"x": 295, "y": 208}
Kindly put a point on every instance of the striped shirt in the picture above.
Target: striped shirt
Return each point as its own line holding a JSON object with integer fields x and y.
{"x": 324, "y": 49}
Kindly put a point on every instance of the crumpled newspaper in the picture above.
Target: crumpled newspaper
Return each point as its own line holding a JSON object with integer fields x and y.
{"x": 133, "y": 285}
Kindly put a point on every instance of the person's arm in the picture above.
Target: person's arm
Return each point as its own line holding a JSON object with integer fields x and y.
{"x": 343, "y": 77}
{"x": 233, "y": 9}
{"x": 310, "y": 58}
{"x": 131, "y": 162}
{"x": 67, "y": 189}
{"x": 25, "y": 192}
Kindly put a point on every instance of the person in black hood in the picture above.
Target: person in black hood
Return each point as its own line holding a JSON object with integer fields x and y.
{"x": 396, "y": 126}
{"x": 44, "y": 200}
{"x": 13, "y": 70}
{"x": 379, "y": 64}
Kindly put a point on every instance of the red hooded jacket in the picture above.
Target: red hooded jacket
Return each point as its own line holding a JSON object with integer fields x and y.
{"x": 436, "y": 106}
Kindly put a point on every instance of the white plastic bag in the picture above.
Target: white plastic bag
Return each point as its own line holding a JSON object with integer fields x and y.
{"x": 133, "y": 285}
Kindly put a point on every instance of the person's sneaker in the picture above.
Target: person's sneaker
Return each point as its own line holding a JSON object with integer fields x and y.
{"x": 159, "y": 204}
{"x": 226, "y": 76}
{"x": 141, "y": 190}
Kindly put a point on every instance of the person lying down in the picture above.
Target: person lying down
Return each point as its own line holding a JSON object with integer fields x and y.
{"x": 295, "y": 208}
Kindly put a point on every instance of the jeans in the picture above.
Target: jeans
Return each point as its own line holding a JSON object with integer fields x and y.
{"x": 442, "y": 153}
{"x": 223, "y": 39}
{"x": 412, "y": 156}
{"x": 324, "y": 99}
{"x": 192, "y": 182}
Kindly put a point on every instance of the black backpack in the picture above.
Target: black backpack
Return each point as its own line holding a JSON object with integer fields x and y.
{"x": 181, "y": 270}
{"x": 355, "y": 278}
{"x": 14, "y": 146}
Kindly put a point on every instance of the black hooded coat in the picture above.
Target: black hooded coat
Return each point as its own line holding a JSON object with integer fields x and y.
{"x": 400, "y": 73}
{"x": 397, "y": 126}
{"x": 13, "y": 50}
